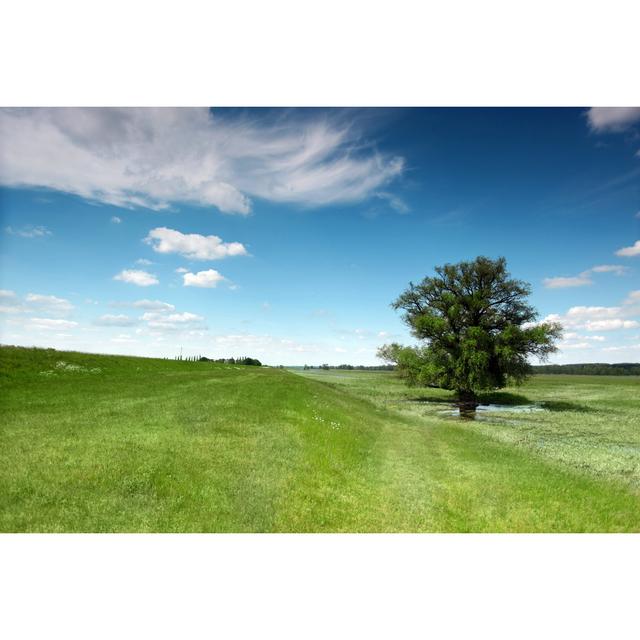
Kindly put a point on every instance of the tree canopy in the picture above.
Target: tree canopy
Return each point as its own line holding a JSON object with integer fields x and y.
{"x": 477, "y": 326}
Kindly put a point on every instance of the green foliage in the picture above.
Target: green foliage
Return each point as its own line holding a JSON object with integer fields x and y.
{"x": 592, "y": 369}
{"x": 252, "y": 362}
{"x": 478, "y": 328}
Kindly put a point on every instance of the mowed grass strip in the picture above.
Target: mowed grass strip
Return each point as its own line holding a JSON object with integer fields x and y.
{"x": 106, "y": 443}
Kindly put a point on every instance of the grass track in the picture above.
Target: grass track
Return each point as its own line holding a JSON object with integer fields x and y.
{"x": 130, "y": 444}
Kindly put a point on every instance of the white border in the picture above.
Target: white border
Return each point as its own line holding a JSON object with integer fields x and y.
{"x": 335, "y": 52}
{"x": 313, "y": 586}
{"x": 543, "y": 53}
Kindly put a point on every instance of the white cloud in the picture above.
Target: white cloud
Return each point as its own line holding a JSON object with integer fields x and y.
{"x": 207, "y": 279}
{"x": 173, "y": 321}
{"x": 11, "y": 308}
{"x": 182, "y": 270}
{"x": 564, "y": 282}
{"x": 52, "y": 323}
{"x": 581, "y": 313}
{"x": 602, "y": 119}
{"x": 623, "y": 348}
{"x": 594, "y": 318}
{"x": 584, "y": 278}
{"x": 633, "y": 250}
{"x": 152, "y": 157}
{"x": 633, "y": 297}
{"x": 116, "y": 219}
{"x": 119, "y": 320}
{"x": 396, "y": 203}
{"x": 137, "y": 277}
{"x": 29, "y": 231}
{"x": 123, "y": 338}
{"x": 144, "y": 262}
{"x": 6, "y": 294}
{"x": 153, "y": 305}
{"x": 616, "y": 269}
{"x": 610, "y": 325}
{"x": 51, "y": 304}
{"x": 244, "y": 344}
{"x": 192, "y": 245}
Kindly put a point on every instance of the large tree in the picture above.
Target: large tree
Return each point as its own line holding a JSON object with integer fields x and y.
{"x": 477, "y": 326}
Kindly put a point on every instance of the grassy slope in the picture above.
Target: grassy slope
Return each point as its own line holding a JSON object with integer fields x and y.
{"x": 153, "y": 445}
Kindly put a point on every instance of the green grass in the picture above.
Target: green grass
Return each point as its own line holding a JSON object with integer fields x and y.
{"x": 128, "y": 444}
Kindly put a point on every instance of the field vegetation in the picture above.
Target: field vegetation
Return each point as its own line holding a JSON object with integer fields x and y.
{"x": 110, "y": 443}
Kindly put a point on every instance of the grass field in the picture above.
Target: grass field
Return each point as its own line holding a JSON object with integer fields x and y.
{"x": 107, "y": 443}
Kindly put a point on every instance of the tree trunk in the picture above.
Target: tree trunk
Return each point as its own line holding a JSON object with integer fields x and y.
{"x": 467, "y": 403}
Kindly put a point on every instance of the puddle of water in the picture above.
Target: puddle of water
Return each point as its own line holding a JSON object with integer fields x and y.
{"x": 489, "y": 408}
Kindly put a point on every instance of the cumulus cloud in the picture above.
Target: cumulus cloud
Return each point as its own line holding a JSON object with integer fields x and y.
{"x": 628, "y": 252}
{"x": 612, "y": 119}
{"x": 592, "y": 318}
{"x": 29, "y": 231}
{"x": 137, "y": 277}
{"x": 192, "y": 245}
{"x": 119, "y": 320}
{"x": 153, "y": 157}
{"x": 611, "y": 324}
{"x": 207, "y": 279}
{"x": 182, "y": 270}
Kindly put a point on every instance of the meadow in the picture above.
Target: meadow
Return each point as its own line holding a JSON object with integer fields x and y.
{"x": 93, "y": 443}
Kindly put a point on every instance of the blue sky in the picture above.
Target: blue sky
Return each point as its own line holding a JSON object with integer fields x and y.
{"x": 285, "y": 234}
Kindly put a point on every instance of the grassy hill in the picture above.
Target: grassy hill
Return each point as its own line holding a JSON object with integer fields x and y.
{"x": 109, "y": 443}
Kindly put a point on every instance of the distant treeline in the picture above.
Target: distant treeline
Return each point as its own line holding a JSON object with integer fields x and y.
{"x": 352, "y": 367}
{"x": 254, "y": 362}
{"x": 595, "y": 369}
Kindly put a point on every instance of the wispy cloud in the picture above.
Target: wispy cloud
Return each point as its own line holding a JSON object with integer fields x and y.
{"x": 118, "y": 320}
{"x": 29, "y": 231}
{"x": 396, "y": 203}
{"x": 612, "y": 119}
{"x": 50, "y": 304}
{"x": 137, "y": 277}
{"x": 116, "y": 219}
{"x": 617, "y": 269}
{"x": 153, "y": 157}
{"x": 51, "y": 323}
{"x": 562, "y": 282}
{"x": 584, "y": 278}
{"x": 192, "y": 245}
{"x": 173, "y": 321}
